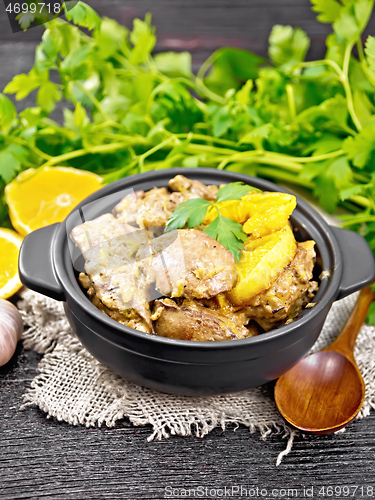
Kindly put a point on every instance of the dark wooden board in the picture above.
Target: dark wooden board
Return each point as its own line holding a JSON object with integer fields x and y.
{"x": 45, "y": 459}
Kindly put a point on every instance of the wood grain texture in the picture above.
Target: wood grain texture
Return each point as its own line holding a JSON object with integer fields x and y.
{"x": 45, "y": 459}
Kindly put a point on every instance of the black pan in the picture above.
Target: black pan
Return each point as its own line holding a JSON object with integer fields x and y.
{"x": 191, "y": 367}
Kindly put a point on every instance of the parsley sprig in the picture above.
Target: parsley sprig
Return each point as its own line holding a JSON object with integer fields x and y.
{"x": 229, "y": 233}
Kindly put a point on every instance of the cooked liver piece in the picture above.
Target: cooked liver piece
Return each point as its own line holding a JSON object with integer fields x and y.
{"x": 289, "y": 293}
{"x": 191, "y": 321}
{"x": 152, "y": 208}
{"x": 193, "y": 188}
{"x": 193, "y": 265}
{"x": 109, "y": 249}
{"x": 148, "y": 209}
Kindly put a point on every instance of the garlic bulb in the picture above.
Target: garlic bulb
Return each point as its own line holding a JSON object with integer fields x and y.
{"x": 11, "y": 328}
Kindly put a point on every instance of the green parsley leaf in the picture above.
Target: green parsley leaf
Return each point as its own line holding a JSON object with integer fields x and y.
{"x": 340, "y": 171}
{"x": 7, "y": 112}
{"x": 68, "y": 36}
{"x": 110, "y": 38}
{"x": 25, "y": 19}
{"x": 362, "y": 12}
{"x": 143, "y": 38}
{"x": 370, "y": 55}
{"x": 174, "y": 64}
{"x": 360, "y": 148}
{"x": 351, "y": 191}
{"x": 326, "y": 192}
{"x": 257, "y": 133}
{"x": 83, "y": 15}
{"x": 363, "y": 106}
{"x": 48, "y": 94}
{"x": 23, "y": 84}
{"x": 329, "y": 10}
{"x": 222, "y": 120}
{"x": 233, "y": 191}
{"x": 76, "y": 120}
{"x": 287, "y": 46}
{"x": 190, "y": 213}
{"x": 50, "y": 44}
{"x": 346, "y": 27}
{"x": 31, "y": 116}
{"x": 11, "y": 159}
{"x": 75, "y": 59}
{"x": 229, "y": 233}
{"x": 231, "y": 68}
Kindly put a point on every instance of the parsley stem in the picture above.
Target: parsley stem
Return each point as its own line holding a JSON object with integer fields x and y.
{"x": 33, "y": 148}
{"x": 280, "y": 175}
{"x": 103, "y": 148}
{"x": 345, "y": 81}
{"x": 347, "y": 54}
{"x": 343, "y": 76}
{"x": 320, "y": 62}
{"x": 208, "y": 138}
{"x": 118, "y": 174}
{"x": 291, "y": 101}
{"x": 203, "y": 148}
{"x": 208, "y": 93}
{"x": 269, "y": 160}
{"x": 200, "y": 81}
{"x": 357, "y": 219}
{"x": 361, "y": 54}
{"x": 142, "y": 158}
{"x": 292, "y": 163}
{"x": 94, "y": 100}
{"x": 307, "y": 159}
{"x": 360, "y": 200}
{"x": 133, "y": 140}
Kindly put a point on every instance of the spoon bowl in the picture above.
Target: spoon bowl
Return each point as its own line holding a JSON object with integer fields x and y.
{"x": 322, "y": 393}
{"x": 325, "y": 391}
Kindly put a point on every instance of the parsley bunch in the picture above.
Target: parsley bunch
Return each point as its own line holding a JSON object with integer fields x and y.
{"x": 120, "y": 110}
{"x": 229, "y": 233}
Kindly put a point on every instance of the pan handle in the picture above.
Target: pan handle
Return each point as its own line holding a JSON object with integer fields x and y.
{"x": 36, "y": 263}
{"x": 357, "y": 261}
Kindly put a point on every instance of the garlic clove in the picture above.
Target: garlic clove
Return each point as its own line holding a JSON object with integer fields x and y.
{"x": 11, "y": 328}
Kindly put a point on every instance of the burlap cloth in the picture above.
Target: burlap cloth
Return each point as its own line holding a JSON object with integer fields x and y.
{"x": 73, "y": 387}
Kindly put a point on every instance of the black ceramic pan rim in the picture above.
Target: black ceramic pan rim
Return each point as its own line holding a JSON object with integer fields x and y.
{"x": 326, "y": 294}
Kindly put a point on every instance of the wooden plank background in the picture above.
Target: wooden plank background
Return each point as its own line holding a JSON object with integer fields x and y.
{"x": 47, "y": 459}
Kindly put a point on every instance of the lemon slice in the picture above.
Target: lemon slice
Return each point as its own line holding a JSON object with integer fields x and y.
{"x": 10, "y": 243}
{"x": 261, "y": 262}
{"x": 39, "y": 197}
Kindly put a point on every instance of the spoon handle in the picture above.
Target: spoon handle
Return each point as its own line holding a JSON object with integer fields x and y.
{"x": 346, "y": 340}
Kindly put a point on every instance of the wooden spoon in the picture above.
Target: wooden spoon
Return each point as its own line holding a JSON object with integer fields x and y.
{"x": 325, "y": 390}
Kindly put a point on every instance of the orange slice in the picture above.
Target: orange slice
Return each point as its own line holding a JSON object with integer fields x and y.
{"x": 268, "y": 212}
{"x": 39, "y": 197}
{"x": 260, "y": 264}
{"x": 10, "y": 243}
{"x": 260, "y": 213}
